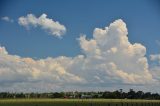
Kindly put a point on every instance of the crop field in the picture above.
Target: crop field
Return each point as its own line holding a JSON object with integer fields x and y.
{"x": 78, "y": 102}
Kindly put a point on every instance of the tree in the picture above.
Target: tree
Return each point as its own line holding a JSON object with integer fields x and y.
{"x": 131, "y": 94}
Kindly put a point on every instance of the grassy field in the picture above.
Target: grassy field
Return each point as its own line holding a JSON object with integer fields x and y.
{"x": 78, "y": 102}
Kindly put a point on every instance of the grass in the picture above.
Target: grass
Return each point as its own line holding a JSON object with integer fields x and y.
{"x": 78, "y": 102}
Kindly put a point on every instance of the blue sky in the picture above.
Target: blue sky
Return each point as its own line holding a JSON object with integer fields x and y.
{"x": 79, "y": 17}
{"x": 79, "y": 45}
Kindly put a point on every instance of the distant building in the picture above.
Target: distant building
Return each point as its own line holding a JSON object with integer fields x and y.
{"x": 83, "y": 96}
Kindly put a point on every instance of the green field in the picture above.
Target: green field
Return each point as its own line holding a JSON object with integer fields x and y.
{"x": 78, "y": 102}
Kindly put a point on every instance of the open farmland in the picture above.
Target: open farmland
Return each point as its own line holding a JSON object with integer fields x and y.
{"x": 78, "y": 102}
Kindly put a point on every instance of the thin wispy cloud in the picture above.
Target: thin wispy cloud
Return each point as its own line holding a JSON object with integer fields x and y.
{"x": 158, "y": 42}
{"x": 7, "y": 19}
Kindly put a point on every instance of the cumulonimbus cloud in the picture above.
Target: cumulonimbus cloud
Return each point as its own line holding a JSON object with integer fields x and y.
{"x": 107, "y": 58}
{"x": 53, "y": 27}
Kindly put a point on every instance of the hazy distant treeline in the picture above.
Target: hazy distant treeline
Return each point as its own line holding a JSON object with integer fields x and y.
{"x": 118, "y": 94}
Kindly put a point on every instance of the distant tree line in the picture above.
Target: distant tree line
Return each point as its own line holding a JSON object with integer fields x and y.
{"x": 118, "y": 94}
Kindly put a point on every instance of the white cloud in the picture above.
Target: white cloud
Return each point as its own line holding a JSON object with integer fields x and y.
{"x": 155, "y": 57}
{"x": 108, "y": 58}
{"x": 16, "y": 70}
{"x": 53, "y": 27}
{"x": 112, "y": 54}
{"x": 155, "y": 66}
{"x": 7, "y": 19}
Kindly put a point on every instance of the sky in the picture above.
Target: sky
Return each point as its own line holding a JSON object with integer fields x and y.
{"x": 79, "y": 45}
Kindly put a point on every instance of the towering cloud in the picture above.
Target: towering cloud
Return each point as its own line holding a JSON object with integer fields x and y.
{"x": 111, "y": 54}
{"x": 108, "y": 58}
{"x": 53, "y": 27}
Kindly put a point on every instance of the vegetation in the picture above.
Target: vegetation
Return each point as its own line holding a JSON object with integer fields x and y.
{"x": 118, "y": 94}
{"x": 78, "y": 102}
{"x": 107, "y": 98}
